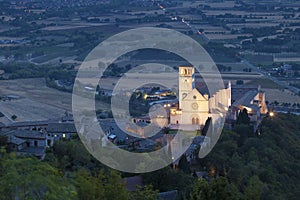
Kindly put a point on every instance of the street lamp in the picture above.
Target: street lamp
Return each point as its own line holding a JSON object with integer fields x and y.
{"x": 271, "y": 114}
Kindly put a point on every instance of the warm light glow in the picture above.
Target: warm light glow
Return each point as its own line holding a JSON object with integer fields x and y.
{"x": 64, "y": 135}
{"x": 271, "y": 114}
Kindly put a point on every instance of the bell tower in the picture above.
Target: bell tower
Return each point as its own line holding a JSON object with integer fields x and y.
{"x": 186, "y": 82}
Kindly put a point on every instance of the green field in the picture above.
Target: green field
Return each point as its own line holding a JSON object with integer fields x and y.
{"x": 265, "y": 83}
{"x": 260, "y": 59}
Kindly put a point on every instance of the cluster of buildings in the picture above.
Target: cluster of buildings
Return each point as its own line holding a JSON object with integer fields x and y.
{"x": 190, "y": 111}
{"x": 285, "y": 70}
{"x": 194, "y": 107}
{"x": 33, "y": 137}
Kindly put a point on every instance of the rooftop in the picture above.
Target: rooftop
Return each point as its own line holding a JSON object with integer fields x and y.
{"x": 29, "y": 123}
{"x": 14, "y": 140}
{"x": 61, "y": 128}
{"x": 26, "y": 134}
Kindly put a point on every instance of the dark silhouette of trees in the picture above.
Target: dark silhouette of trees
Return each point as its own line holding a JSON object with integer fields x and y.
{"x": 243, "y": 117}
{"x": 183, "y": 164}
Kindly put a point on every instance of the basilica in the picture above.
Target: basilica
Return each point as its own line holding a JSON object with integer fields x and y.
{"x": 193, "y": 107}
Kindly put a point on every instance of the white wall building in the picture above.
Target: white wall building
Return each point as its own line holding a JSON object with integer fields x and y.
{"x": 193, "y": 107}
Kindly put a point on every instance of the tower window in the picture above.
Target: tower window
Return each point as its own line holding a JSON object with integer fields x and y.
{"x": 195, "y": 97}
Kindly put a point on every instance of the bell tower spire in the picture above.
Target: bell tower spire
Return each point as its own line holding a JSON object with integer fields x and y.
{"x": 186, "y": 82}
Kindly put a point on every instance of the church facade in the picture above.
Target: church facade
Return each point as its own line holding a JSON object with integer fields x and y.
{"x": 193, "y": 107}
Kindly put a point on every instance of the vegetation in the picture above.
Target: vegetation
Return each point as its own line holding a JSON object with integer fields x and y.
{"x": 242, "y": 165}
{"x": 14, "y": 117}
{"x": 68, "y": 172}
{"x": 268, "y": 159}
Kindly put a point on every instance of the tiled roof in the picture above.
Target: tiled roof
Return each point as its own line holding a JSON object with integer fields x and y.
{"x": 246, "y": 98}
{"x": 14, "y": 140}
{"x": 26, "y": 134}
{"x": 29, "y": 123}
{"x": 61, "y": 128}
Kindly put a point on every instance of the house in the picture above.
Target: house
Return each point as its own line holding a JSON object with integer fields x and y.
{"x": 56, "y": 131}
{"x": 33, "y": 137}
{"x": 251, "y": 98}
{"x": 146, "y": 125}
{"x": 29, "y": 125}
{"x": 27, "y": 142}
{"x": 15, "y": 144}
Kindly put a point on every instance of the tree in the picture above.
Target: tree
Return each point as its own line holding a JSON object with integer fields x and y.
{"x": 200, "y": 190}
{"x": 146, "y": 193}
{"x": 3, "y": 141}
{"x": 244, "y": 131}
{"x": 183, "y": 164}
{"x": 89, "y": 187}
{"x": 239, "y": 82}
{"x": 206, "y": 126}
{"x": 114, "y": 187}
{"x": 28, "y": 178}
{"x": 167, "y": 179}
{"x": 253, "y": 189}
{"x": 219, "y": 188}
{"x": 243, "y": 117}
{"x": 14, "y": 117}
{"x": 100, "y": 186}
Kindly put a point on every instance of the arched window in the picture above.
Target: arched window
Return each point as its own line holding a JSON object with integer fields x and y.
{"x": 195, "y": 121}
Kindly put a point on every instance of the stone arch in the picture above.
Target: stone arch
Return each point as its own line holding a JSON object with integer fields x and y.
{"x": 195, "y": 120}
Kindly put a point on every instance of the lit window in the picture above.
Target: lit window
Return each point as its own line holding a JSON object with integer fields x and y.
{"x": 64, "y": 135}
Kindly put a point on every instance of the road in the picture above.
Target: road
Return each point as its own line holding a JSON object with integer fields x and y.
{"x": 266, "y": 75}
{"x": 180, "y": 19}
{"x": 7, "y": 117}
